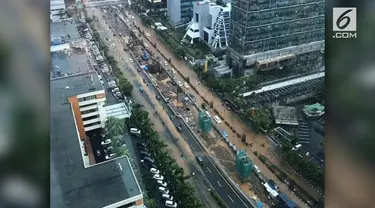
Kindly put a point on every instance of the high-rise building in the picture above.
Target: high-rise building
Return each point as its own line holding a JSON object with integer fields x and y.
{"x": 210, "y": 23}
{"x": 276, "y": 34}
{"x": 180, "y": 11}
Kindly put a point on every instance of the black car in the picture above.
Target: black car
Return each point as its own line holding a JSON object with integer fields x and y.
{"x": 145, "y": 153}
{"x": 179, "y": 128}
{"x": 147, "y": 160}
{"x": 158, "y": 97}
{"x": 141, "y": 145}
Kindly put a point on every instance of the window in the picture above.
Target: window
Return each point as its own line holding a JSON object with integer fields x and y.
{"x": 89, "y": 111}
{"x": 128, "y": 205}
{"x": 92, "y": 124}
{"x": 91, "y": 104}
{"x": 90, "y": 118}
{"x": 87, "y": 98}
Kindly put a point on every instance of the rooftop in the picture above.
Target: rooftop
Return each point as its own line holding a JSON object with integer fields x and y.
{"x": 73, "y": 185}
{"x": 72, "y": 85}
{"x": 285, "y": 115}
{"x": 76, "y": 62}
{"x": 65, "y": 30}
{"x": 119, "y": 110}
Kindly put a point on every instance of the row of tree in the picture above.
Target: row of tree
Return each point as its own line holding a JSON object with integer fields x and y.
{"x": 304, "y": 166}
{"x": 124, "y": 85}
{"x": 114, "y": 130}
{"x": 183, "y": 192}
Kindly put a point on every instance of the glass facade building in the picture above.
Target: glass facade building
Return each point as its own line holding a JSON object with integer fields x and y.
{"x": 180, "y": 11}
{"x": 259, "y": 26}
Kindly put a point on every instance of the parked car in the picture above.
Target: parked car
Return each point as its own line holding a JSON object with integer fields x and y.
{"x": 169, "y": 203}
{"x": 144, "y": 153}
{"x": 162, "y": 183}
{"x": 163, "y": 190}
{"x": 154, "y": 171}
{"x": 148, "y": 159}
{"x": 141, "y": 145}
{"x": 110, "y": 156}
{"x": 158, "y": 177}
{"x": 167, "y": 196}
{"x": 106, "y": 142}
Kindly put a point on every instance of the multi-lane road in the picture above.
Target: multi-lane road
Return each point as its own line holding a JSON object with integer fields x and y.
{"x": 208, "y": 174}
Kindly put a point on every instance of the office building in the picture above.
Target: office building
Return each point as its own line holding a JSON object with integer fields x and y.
{"x": 210, "y": 23}
{"x": 76, "y": 181}
{"x": 156, "y": 7}
{"x": 267, "y": 35}
{"x": 180, "y": 11}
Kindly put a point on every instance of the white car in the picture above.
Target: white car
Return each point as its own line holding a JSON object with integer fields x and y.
{"x": 106, "y": 142}
{"x": 170, "y": 204}
{"x": 165, "y": 63}
{"x": 147, "y": 35}
{"x": 154, "y": 171}
{"x": 186, "y": 85}
{"x": 107, "y": 157}
{"x": 179, "y": 83}
{"x": 158, "y": 177}
{"x": 217, "y": 119}
{"x": 167, "y": 196}
{"x": 146, "y": 45}
{"x": 163, "y": 190}
{"x": 162, "y": 183}
{"x": 131, "y": 60}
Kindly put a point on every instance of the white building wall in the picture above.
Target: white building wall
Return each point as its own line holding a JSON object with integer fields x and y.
{"x": 98, "y": 105}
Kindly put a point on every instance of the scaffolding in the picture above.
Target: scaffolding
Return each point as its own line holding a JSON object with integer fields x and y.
{"x": 244, "y": 166}
{"x": 220, "y": 36}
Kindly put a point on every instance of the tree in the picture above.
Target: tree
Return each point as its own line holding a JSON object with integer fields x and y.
{"x": 174, "y": 175}
{"x": 180, "y": 52}
{"x": 115, "y": 126}
{"x": 150, "y": 203}
{"x": 125, "y": 86}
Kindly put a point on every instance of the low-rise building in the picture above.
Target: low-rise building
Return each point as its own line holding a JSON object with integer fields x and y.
{"x": 74, "y": 181}
{"x": 210, "y": 23}
{"x": 57, "y": 8}
{"x": 82, "y": 174}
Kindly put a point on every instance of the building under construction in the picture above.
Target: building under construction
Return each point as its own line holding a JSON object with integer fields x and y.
{"x": 275, "y": 34}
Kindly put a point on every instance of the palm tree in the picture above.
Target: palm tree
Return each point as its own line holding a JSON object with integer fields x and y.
{"x": 115, "y": 126}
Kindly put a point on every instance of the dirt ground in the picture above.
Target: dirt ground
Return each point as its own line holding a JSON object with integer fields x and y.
{"x": 222, "y": 153}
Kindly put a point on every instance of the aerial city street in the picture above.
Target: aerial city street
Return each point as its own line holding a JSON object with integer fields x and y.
{"x": 213, "y": 103}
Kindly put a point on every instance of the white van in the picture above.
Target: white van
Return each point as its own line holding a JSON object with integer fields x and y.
{"x": 297, "y": 147}
{"x": 256, "y": 168}
{"x": 170, "y": 204}
{"x": 135, "y": 131}
{"x": 217, "y": 119}
{"x": 208, "y": 114}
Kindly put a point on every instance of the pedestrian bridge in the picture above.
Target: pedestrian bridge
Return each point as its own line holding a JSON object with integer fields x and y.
{"x": 286, "y": 83}
{"x": 101, "y": 3}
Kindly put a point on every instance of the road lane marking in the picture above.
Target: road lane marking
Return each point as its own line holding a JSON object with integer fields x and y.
{"x": 209, "y": 170}
{"x": 230, "y": 198}
{"x": 219, "y": 183}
